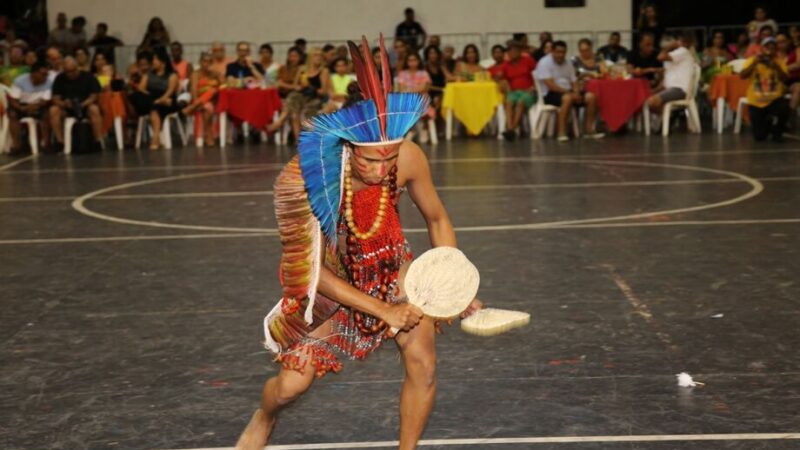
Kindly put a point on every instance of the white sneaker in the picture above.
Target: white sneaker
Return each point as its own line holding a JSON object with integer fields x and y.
{"x": 563, "y": 138}
{"x": 423, "y": 136}
{"x": 594, "y": 135}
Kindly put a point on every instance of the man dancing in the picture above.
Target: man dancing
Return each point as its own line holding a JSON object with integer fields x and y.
{"x": 344, "y": 253}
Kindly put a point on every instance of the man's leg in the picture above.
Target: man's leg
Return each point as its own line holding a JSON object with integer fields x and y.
{"x": 564, "y": 111}
{"x": 519, "y": 111}
{"x": 155, "y": 122}
{"x": 14, "y": 130}
{"x": 794, "y": 103}
{"x": 417, "y": 396}
{"x": 56, "y": 123}
{"x": 590, "y": 100}
{"x": 655, "y": 103}
{"x": 780, "y": 109}
{"x": 96, "y": 120}
{"x": 509, "y": 106}
{"x": 759, "y": 121}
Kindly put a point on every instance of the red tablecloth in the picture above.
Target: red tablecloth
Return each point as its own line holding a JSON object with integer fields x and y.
{"x": 619, "y": 100}
{"x": 254, "y": 106}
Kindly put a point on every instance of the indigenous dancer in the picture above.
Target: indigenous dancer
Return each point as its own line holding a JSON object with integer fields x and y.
{"x": 344, "y": 253}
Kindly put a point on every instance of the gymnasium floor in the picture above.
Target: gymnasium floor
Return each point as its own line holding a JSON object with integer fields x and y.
{"x": 133, "y": 286}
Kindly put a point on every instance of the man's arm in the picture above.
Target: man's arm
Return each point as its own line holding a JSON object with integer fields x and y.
{"x": 423, "y": 193}
{"x": 552, "y": 86}
{"x": 748, "y": 69}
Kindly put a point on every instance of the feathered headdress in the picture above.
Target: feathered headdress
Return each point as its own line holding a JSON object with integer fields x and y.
{"x": 382, "y": 118}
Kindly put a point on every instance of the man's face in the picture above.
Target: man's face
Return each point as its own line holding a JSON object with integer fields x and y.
{"x": 448, "y": 52}
{"x": 768, "y": 50}
{"x": 399, "y": 46}
{"x": 71, "y": 69}
{"x": 765, "y": 33}
{"x": 647, "y": 46}
{"x": 372, "y": 164}
{"x": 497, "y": 55}
{"x": 559, "y": 54}
{"x": 62, "y": 20}
{"x": 613, "y": 40}
{"x": 54, "y": 58}
{"x": 143, "y": 65}
{"x": 265, "y": 53}
{"x": 435, "y": 40}
{"x": 218, "y": 51}
{"x": 39, "y": 76}
{"x": 176, "y": 51}
{"x": 101, "y": 31}
{"x": 17, "y": 56}
{"x": 410, "y": 16}
{"x": 243, "y": 51}
{"x": 513, "y": 52}
{"x": 585, "y": 51}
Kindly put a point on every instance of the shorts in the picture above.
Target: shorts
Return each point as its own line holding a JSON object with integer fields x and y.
{"x": 297, "y": 103}
{"x": 19, "y": 114}
{"x": 526, "y": 97}
{"x": 554, "y": 98}
{"x": 672, "y": 94}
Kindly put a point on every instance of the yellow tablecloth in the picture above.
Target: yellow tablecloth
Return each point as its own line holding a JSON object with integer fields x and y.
{"x": 473, "y": 102}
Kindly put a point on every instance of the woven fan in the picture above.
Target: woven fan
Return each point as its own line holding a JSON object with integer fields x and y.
{"x": 442, "y": 282}
{"x": 493, "y": 321}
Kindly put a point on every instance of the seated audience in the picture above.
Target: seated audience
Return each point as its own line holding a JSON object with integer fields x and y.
{"x": 644, "y": 62}
{"x": 517, "y": 72}
{"x": 183, "y": 68}
{"x": 560, "y": 88}
{"x": 434, "y": 40}
{"x": 29, "y": 97}
{"x": 270, "y": 66}
{"x": 244, "y": 72}
{"x": 102, "y": 42}
{"x": 9, "y": 41}
{"x": 329, "y": 54}
{"x": 219, "y": 61}
{"x": 754, "y": 48}
{"x": 499, "y": 57}
{"x": 103, "y": 70}
{"x": 81, "y": 55}
{"x": 469, "y": 67}
{"x": 767, "y": 76}
{"x": 204, "y": 86}
{"x": 793, "y": 67}
{"x": 301, "y": 43}
{"x": 586, "y": 63}
{"x": 678, "y": 73}
{"x": 55, "y": 60}
{"x": 340, "y": 79}
{"x": 449, "y": 61}
{"x": 613, "y": 52}
{"x": 75, "y": 36}
{"x": 155, "y": 36}
{"x": 16, "y": 66}
{"x": 398, "y": 54}
{"x": 545, "y": 45}
{"x": 30, "y": 57}
{"x": 794, "y": 35}
{"x": 313, "y": 86}
{"x": 437, "y": 74}
{"x": 410, "y": 31}
{"x": 522, "y": 38}
{"x": 739, "y": 48}
{"x": 760, "y": 20}
{"x": 74, "y": 95}
{"x": 415, "y": 79}
{"x": 289, "y": 73}
{"x": 156, "y": 93}
{"x": 715, "y": 56}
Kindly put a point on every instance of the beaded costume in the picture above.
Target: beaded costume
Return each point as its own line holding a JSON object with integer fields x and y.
{"x": 357, "y": 235}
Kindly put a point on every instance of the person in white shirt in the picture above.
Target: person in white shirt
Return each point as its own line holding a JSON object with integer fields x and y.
{"x": 678, "y": 72}
{"x": 560, "y": 88}
{"x": 30, "y": 96}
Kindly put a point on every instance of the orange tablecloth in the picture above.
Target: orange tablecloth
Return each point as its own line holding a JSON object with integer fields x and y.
{"x": 619, "y": 100}
{"x": 254, "y": 106}
{"x": 112, "y": 105}
{"x": 731, "y": 87}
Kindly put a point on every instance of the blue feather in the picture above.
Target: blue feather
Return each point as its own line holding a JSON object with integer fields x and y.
{"x": 321, "y": 163}
{"x": 404, "y": 110}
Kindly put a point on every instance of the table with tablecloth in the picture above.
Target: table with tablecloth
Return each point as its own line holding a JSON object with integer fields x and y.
{"x": 256, "y": 107}
{"x": 472, "y": 102}
{"x": 619, "y": 99}
{"x": 727, "y": 89}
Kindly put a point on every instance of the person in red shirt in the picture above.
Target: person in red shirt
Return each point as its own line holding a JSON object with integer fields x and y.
{"x": 517, "y": 72}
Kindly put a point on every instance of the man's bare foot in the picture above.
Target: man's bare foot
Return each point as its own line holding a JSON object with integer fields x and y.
{"x": 256, "y": 435}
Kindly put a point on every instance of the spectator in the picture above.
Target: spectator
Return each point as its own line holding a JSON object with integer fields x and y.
{"x": 204, "y": 85}
{"x": 301, "y": 43}
{"x": 586, "y": 63}
{"x": 469, "y": 68}
{"x": 55, "y": 60}
{"x": 244, "y": 72}
{"x": 314, "y": 85}
{"x": 156, "y": 93}
{"x": 183, "y": 68}
{"x": 517, "y": 71}
{"x": 793, "y": 67}
{"x": 219, "y": 62}
{"x": 81, "y": 55}
{"x": 739, "y": 48}
{"x": 449, "y": 58}
{"x": 613, "y": 53}
{"x": 782, "y": 46}
{"x": 102, "y": 42}
{"x": 415, "y": 79}
{"x": 754, "y": 48}
{"x": 155, "y": 36}
{"x": 522, "y": 38}
{"x": 437, "y": 74}
{"x": 410, "y": 31}
{"x": 60, "y": 34}
{"x": 644, "y": 63}
{"x": 398, "y": 55}
{"x": 70, "y": 39}
{"x": 648, "y": 22}
{"x": 715, "y": 55}
{"x": 434, "y": 40}
{"x": 289, "y": 73}
{"x": 29, "y": 97}
{"x": 31, "y": 57}
{"x": 138, "y": 70}
{"x": 560, "y": 88}
{"x": 767, "y": 76}
{"x": 329, "y": 54}
{"x": 678, "y": 73}
{"x": 16, "y": 66}
{"x": 545, "y": 41}
{"x": 9, "y": 41}
{"x": 74, "y": 95}
{"x": 498, "y": 55}
{"x": 340, "y": 80}
{"x": 794, "y": 35}
{"x": 103, "y": 70}
{"x": 270, "y": 67}
{"x": 760, "y": 20}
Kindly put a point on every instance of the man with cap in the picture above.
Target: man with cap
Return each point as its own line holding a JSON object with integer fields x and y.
{"x": 766, "y": 74}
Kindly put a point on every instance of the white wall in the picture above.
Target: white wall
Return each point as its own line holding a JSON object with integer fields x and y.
{"x": 284, "y": 20}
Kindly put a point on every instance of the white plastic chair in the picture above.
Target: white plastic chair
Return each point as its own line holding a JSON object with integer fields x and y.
{"x": 540, "y": 110}
{"x": 33, "y": 133}
{"x": 689, "y": 103}
{"x": 737, "y": 127}
{"x": 166, "y": 130}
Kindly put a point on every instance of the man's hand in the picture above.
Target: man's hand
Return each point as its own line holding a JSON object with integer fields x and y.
{"x": 403, "y": 316}
{"x": 473, "y": 307}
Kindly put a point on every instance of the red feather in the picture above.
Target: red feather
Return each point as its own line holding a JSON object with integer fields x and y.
{"x": 374, "y": 85}
{"x": 359, "y": 68}
{"x": 387, "y": 71}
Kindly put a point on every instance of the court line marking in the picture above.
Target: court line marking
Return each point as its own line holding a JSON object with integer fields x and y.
{"x": 541, "y": 440}
{"x": 756, "y": 187}
{"x": 267, "y": 166}
{"x": 5, "y": 167}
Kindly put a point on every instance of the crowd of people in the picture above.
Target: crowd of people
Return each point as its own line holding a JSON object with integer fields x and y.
{"x": 65, "y": 77}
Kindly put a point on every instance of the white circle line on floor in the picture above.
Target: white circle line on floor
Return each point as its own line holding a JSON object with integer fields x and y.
{"x": 541, "y": 440}
{"x": 756, "y": 187}
{"x": 16, "y": 163}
